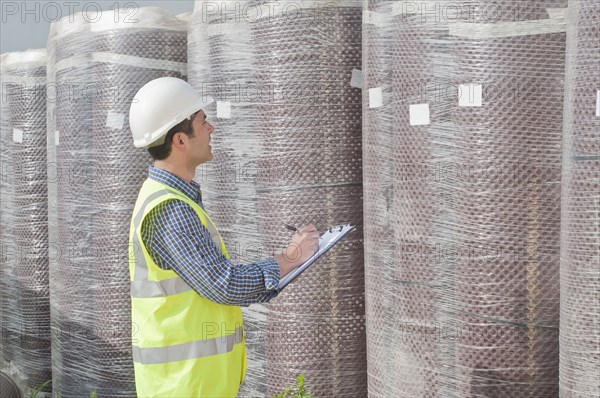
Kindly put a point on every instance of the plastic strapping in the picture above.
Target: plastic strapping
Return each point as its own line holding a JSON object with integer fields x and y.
{"x": 217, "y": 29}
{"x": 76, "y": 61}
{"x": 23, "y": 79}
{"x": 555, "y": 24}
{"x": 140, "y": 62}
{"x": 296, "y": 10}
{"x": 376, "y": 18}
{"x": 407, "y": 7}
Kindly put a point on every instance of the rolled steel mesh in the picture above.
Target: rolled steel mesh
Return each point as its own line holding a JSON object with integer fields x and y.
{"x": 508, "y": 283}
{"x": 461, "y": 273}
{"x": 311, "y": 157}
{"x": 25, "y": 280}
{"x": 290, "y": 153}
{"x": 122, "y": 169}
{"x": 221, "y": 57}
{"x": 380, "y": 265}
{"x": 69, "y": 196}
{"x": 114, "y": 59}
{"x": 6, "y": 243}
{"x": 580, "y": 257}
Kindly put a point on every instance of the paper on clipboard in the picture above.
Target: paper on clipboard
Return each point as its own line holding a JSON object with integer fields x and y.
{"x": 332, "y": 236}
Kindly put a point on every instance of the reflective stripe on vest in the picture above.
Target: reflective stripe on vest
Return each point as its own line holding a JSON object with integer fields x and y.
{"x": 185, "y": 351}
{"x": 141, "y": 287}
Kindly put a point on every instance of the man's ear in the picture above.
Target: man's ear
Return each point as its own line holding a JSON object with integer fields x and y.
{"x": 177, "y": 140}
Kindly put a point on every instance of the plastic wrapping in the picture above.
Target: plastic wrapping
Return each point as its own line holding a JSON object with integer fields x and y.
{"x": 580, "y": 260}
{"x": 24, "y": 271}
{"x": 97, "y": 68}
{"x": 462, "y": 198}
{"x": 287, "y": 151}
{"x": 5, "y": 189}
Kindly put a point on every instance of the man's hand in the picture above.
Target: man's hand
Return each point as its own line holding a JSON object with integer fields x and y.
{"x": 304, "y": 244}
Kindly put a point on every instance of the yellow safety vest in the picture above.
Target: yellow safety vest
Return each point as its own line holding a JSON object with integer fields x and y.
{"x": 184, "y": 345}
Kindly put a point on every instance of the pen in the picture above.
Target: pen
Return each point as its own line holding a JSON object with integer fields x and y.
{"x": 291, "y": 228}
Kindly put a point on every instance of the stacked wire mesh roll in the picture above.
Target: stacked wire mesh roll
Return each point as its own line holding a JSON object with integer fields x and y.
{"x": 462, "y": 203}
{"x": 24, "y": 271}
{"x": 221, "y": 57}
{"x": 6, "y": 233}
{"x": 509, "y": 300}
{"x": 287, "y": 151}
{"x": 406, "y": 207}
{"x": 580, "y": 257}
{"x": 69, "y": 196}
{"x": 98, "y": 66}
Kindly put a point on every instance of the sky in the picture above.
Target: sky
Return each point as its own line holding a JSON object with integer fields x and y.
{"x": 25, "y": 24}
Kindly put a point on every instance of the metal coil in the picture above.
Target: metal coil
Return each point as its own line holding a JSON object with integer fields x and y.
{"x": 105, "y": 64}
{"x": 580, "y": 262}
{"x": 24, "y": 272}
{"x": 462, "y": 264}
{"x": 289, "y": 153}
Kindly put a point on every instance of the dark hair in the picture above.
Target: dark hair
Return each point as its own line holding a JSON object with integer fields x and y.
{"x": 163, "y": 151}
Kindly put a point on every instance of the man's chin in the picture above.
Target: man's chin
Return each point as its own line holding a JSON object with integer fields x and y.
{"x": 206, "y": 159}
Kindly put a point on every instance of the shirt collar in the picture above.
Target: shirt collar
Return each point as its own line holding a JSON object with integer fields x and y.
{"x": 191, "y": 189}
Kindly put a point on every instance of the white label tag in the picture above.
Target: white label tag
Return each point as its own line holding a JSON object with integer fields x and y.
{"x": 224, "y": 109}
{"x": 115, "y": 120}
{"x": 375, "y": 18}
{"x": 56, "y": 138}
{"x": 357, "y": 79}
{"x": 18, "y": 136}
{"x": 470, "y": 95}
{"x": 419, "y": 115}
{"x": 598, "y": 104}
{"x": 375, "y": 97}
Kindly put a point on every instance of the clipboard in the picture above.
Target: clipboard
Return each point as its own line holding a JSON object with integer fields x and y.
{"x": 329, "y": 239}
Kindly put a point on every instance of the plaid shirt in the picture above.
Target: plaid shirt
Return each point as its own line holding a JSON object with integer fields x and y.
{"x": 177, "y": 240}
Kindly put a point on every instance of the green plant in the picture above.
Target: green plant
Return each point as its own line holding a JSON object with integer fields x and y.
{"x": 299, "y": 391}
{"x": 34, "y": 393}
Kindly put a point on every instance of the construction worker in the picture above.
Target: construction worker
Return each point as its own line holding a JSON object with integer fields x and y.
{"x": 186, "y": 294}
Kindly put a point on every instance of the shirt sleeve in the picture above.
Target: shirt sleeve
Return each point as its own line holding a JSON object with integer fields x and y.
{"x": 177, "y": 240}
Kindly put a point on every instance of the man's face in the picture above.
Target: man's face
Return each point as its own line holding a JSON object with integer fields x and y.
{"x": 200, "y": 148}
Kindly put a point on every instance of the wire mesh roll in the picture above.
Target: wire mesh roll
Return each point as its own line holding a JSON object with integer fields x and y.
{"x": 461, "y": 273}
{"x": 121, "y": 57}
{"x": 123, "y": 168}
{"x": 70, "y": 204}
{"x": 221, "y": 57}
{"x": 6, "y": 243}
{"x": 311, "y": 163}
{"x": 406, "y": 204}
{"x": 380, "y": 261}
{"x": 508, "y": 210}
{"x": 288, "y": 157}
{"x": 8, "y": 258}
{"x": 27, "y": 318}
{"x": 580, "y": 258}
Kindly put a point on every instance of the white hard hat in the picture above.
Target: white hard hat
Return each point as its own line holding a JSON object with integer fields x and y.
{"x": 160, "y": 105}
